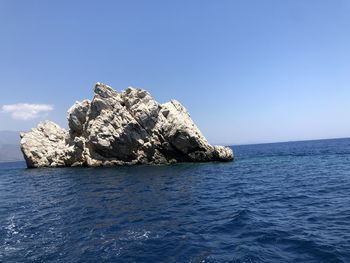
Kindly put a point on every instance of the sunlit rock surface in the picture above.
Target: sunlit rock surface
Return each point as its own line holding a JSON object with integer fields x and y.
{"x": 119, "y": 128}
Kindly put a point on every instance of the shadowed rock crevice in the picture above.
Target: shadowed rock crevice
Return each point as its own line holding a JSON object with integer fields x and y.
{"x": 120, "y": 128}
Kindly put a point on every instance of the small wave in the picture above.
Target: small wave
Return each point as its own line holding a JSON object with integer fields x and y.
{"x": 136, "y": 235}
{"x": 235, "y": 220}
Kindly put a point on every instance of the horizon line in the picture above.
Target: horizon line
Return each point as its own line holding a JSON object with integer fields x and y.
{"x": 252, "y": 143}
{"x": 290, "y": 141}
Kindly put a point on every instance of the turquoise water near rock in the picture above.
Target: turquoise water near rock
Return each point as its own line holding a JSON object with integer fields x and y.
{"x": 283, "y": 202}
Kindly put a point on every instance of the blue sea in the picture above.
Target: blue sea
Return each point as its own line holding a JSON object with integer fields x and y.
{"x": 282, "y": 202}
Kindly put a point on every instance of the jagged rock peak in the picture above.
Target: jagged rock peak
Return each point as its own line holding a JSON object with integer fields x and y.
{"x": 119, "y": 128}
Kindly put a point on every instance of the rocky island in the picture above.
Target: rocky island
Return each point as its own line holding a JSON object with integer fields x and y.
{"x": 120, "y": 128}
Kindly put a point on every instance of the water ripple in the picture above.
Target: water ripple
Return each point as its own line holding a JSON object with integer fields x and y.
{"x": 286, "y": 202}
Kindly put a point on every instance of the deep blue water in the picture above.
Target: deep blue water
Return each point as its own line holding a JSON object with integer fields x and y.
{"x": 285, "y": 202}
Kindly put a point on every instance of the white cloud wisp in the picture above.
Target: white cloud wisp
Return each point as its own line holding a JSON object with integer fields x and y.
{"x": 26, "y": 111}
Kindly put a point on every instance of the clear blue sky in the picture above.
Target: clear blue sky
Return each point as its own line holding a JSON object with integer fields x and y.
{"x": 247, "y": 71}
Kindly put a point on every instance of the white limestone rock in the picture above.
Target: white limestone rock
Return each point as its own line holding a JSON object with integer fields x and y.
{"x": 45, "y": 145}
{"x": 118, "y": 128}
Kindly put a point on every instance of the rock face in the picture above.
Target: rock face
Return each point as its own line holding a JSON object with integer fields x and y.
{"x": 118, "y": 128}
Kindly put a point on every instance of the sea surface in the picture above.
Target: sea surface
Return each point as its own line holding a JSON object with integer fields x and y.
{"x": 283, "y": 202}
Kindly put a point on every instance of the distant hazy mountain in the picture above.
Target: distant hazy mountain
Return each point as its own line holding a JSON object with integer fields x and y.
{"x": 9, "y": 146}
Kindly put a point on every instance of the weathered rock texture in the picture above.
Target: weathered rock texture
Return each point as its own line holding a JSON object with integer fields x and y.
{"x": 118, "y": 128}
